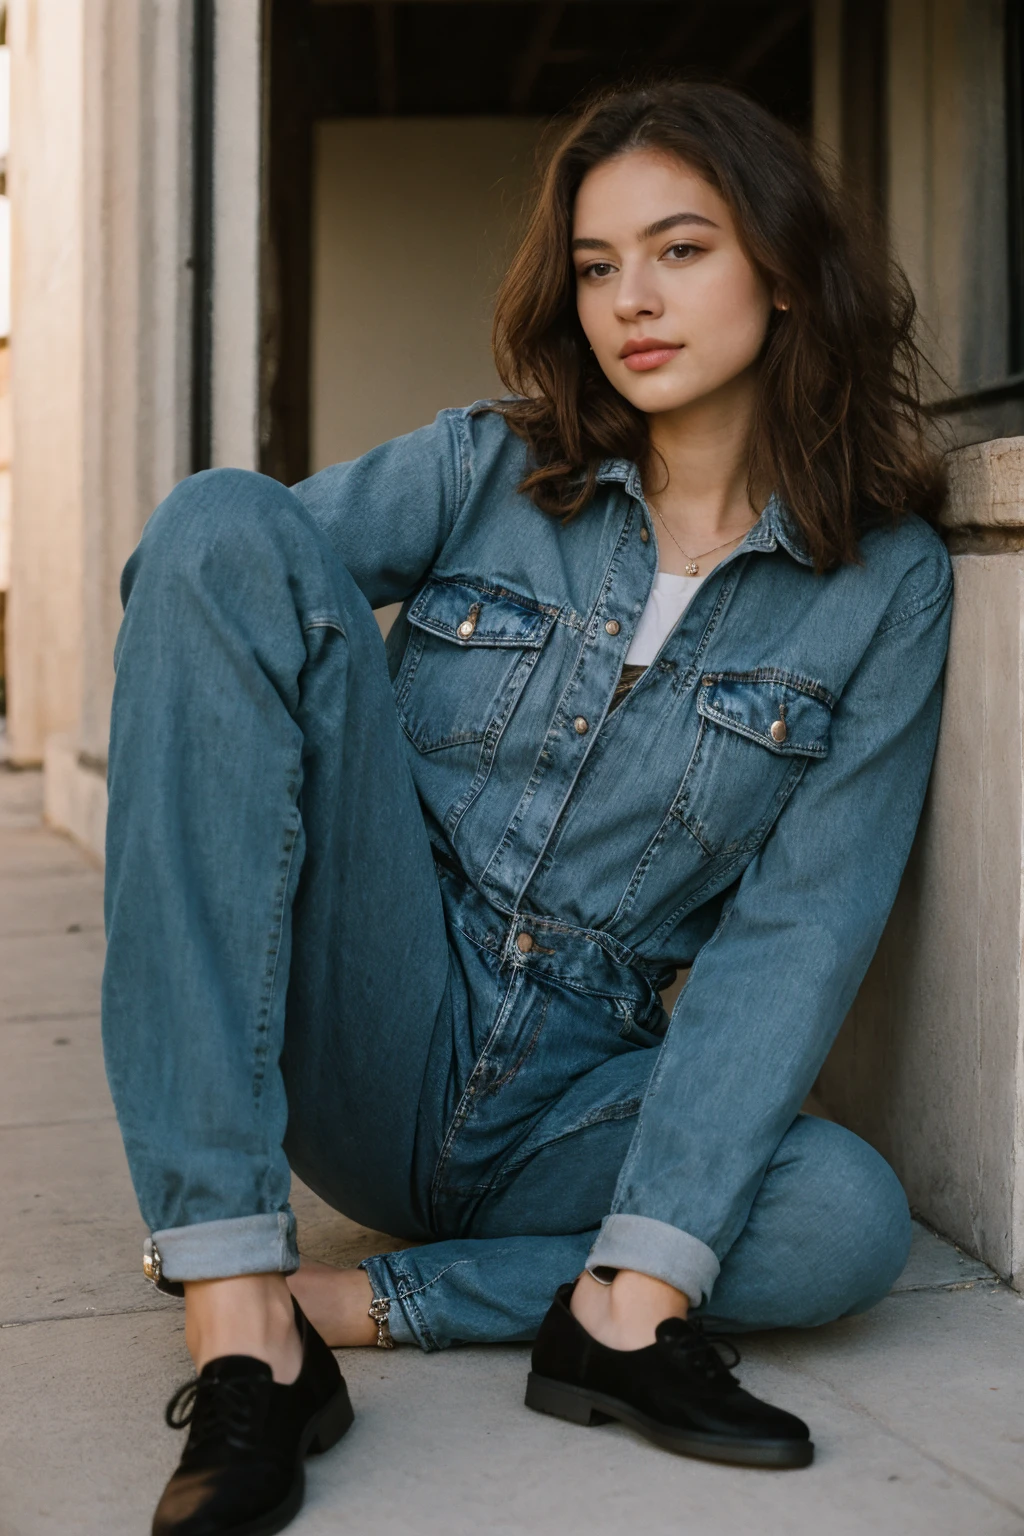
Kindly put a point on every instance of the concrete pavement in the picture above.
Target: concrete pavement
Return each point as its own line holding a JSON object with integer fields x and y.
{"x": 917, "y": 1409}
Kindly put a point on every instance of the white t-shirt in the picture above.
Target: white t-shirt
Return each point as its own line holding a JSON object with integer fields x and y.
{"x": 669, "y": 599}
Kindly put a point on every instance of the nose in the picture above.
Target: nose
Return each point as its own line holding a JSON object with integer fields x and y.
{"x": 637, "y": 296}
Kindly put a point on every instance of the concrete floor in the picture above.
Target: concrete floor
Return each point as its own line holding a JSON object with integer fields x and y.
{"x": 917, "y": 1409}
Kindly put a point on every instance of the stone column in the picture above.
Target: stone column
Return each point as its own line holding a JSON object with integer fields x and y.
{"x": 44, "y": 619}
{"x": 929, "y": 1065}
{"x": 134, "y": 272}
{"x": 135, "y": 234}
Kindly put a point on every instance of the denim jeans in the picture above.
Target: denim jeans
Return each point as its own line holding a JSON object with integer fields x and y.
{"x": 297, "y": 978}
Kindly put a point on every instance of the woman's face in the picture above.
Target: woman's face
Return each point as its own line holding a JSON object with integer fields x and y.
{"x": 669, "y": 300}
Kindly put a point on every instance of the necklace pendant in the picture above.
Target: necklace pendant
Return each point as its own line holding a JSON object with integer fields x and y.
{"x": 692, "y": 569}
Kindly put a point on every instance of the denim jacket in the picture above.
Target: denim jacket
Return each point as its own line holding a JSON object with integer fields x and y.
{"x": 747, "y": 809}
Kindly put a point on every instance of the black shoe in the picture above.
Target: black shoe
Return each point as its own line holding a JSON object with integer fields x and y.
{"x": 241, "y": 1471}
{"x": 678, "y": 1392}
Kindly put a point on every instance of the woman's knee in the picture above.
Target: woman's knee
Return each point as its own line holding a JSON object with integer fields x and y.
{"x": 219, "y": 511}
{"x": 243, "y": 538}
{"x": 885, "y": 1230}
{"x": 864, "y": 1218}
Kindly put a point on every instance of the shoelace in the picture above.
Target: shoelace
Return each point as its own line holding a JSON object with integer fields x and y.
{"x": 230, "y": 1409}
{"x": 697, "y": 1352}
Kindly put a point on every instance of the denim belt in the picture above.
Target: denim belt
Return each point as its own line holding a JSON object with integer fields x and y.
{"x": 587, "y": 960}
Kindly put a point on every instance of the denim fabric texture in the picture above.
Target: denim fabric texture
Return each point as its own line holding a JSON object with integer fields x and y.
{"x": 398, "y": 917}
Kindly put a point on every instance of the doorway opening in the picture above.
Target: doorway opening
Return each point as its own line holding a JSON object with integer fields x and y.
{"x": 401, "y": 140}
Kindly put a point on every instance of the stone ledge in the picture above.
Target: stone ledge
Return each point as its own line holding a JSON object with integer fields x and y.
{"x": 986, "y": 486}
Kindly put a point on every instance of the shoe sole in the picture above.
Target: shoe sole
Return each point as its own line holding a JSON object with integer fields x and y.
{"x": 579, "y": 1405}
{"x": 323, "y": 1431}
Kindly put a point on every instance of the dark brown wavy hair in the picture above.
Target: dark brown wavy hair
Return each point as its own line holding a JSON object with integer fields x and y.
{"x": 838, "y": 428}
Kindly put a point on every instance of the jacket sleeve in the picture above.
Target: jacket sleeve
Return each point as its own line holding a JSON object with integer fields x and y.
{"x": 768, "y": 992}
{"x": 388, "y": 513}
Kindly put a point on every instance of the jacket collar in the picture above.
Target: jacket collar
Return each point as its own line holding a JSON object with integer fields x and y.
{"x": 775, "y": 526}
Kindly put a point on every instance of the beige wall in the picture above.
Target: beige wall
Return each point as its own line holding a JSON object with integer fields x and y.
{"x": 44, "y": 623}
{"x": 412, "y": 218}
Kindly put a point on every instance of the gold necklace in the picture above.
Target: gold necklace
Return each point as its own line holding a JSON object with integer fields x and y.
{"x": 692, "y": 568}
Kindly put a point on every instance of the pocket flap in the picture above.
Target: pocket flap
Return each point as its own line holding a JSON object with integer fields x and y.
{"x": 788, "y": 717}
{"x": 470, "y": 615}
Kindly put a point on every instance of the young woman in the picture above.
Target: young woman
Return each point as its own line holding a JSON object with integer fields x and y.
{"x": 664, "y": 692}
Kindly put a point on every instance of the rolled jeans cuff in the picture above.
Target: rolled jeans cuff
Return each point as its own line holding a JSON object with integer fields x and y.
{"x": 404, "y": 1322}
{"x": 219, "y": 1250}
{"x": 657, "y": 1249}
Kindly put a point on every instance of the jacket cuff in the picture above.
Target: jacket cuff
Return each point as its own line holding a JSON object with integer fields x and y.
{"x": 654, "y": 1248}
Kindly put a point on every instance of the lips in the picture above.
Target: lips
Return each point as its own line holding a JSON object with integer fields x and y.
{"x": 646, "y": 352}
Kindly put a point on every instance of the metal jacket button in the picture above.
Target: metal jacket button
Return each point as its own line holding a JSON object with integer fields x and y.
{"x": 524, "y": 943}
{"x": 612, "y": 627}
{"x": 468, "y": 624}
{"x": 581, "y": 725}
{"x": 779, "y": 731}
{"x": 644, "y": 535}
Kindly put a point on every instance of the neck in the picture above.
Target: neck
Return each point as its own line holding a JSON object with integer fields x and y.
{"x": 705, "y": 449}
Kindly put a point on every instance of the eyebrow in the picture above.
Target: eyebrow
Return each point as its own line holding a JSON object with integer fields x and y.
{"x": 657, "y": 228}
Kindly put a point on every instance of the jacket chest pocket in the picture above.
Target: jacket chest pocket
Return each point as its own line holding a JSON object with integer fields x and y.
{"x": 469, "y": 655}
{"x": 758, "y": 732}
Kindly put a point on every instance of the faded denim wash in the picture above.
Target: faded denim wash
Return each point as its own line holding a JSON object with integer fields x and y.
{"x": 398, "y": 917}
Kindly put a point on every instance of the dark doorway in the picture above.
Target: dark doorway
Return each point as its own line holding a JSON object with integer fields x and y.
{"x": 447, "y": 60}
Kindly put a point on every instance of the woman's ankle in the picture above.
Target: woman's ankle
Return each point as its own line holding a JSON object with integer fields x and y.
{"x": 243, "y": 1315}
{"x": 625, "y": 1314}
{"x": 337, "y": 1303}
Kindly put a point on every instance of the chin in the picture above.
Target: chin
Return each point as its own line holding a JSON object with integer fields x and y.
{"x": 657, "y": 396}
